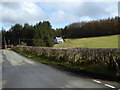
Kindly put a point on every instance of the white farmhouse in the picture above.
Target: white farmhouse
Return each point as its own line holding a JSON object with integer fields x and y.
{"x": 58, "y": 40}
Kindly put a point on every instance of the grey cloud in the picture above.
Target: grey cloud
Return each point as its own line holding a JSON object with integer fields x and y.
{"x": 92, "y": 10}
{"x": 119, "y": 8}
{"x": 58, "y": 13}
{"x": 21, "y": 13}
{"x": 11, "y": 5}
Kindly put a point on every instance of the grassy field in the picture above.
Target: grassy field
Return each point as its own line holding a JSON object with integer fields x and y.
{"x": 92, "y": 42}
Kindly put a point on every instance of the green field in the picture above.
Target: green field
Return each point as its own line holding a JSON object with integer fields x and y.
{"x": 92, "y": 42}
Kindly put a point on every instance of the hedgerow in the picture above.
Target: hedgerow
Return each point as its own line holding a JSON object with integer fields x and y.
{"x": 80, "y": 56}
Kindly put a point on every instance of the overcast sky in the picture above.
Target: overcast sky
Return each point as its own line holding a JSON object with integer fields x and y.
{"x": 58, "y": 13}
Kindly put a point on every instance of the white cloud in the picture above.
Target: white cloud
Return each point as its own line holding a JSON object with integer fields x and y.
{"x": 21, "y": 13}
{"x": 59, "y": 0}
{"x": 58, "y": 13}
{"x": 91, "y": 9}
{"x": 62, "y": 17}
{"x": 85, "y": 18}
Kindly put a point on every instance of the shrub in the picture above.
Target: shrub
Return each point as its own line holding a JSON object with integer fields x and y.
{"x": 79, "y": 56}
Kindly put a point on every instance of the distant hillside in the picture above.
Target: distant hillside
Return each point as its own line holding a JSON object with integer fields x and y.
{"x": 93, "y": 42}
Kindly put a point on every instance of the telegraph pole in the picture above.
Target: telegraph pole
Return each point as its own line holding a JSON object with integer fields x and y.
{"x": 19, "y": 41}
{"x": 9, "y": 43}
{"x": 4, "y": 41}
{"x": 5, "y": 46}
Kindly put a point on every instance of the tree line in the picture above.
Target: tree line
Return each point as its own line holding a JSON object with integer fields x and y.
{"x": 42, "y": 34}
{"x": 110, "y": 26}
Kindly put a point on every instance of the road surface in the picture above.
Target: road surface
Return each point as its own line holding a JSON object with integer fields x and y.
{"x": 21, "y": 72}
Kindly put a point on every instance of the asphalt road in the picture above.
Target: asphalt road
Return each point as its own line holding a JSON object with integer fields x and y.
{"x": 21, "y": 72}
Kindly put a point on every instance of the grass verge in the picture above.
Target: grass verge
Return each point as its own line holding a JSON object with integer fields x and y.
{"x": 96, "y": 70}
